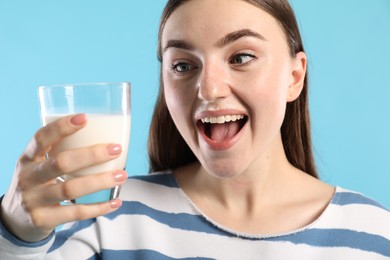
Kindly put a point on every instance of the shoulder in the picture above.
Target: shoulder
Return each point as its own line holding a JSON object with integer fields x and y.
{"x": 157, "y": 191}
{"x": 345, "y": 197}
{"x": 163, "y": 178}
{"x": 354, "y": 212}
{"x": 159, "y": 182}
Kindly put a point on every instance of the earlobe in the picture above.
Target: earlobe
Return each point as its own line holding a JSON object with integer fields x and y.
{"x": 298, "y": 75}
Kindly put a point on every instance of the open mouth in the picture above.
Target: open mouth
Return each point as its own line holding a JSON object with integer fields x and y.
{"x": 222, "y": 128}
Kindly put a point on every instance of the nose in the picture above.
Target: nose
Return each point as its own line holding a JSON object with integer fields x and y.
{"x": 212, "y": 83}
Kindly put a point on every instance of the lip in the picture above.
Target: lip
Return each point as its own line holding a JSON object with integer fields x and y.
{"x": 219, "y": 145}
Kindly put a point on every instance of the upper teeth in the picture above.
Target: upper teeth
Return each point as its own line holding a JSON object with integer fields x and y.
{"x": 221, "y": 119}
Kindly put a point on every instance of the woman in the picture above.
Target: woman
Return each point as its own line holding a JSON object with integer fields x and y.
{"x": 232, "y": 124}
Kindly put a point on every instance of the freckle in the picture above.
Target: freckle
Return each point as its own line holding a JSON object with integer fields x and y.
{"x": 203, "y": 27}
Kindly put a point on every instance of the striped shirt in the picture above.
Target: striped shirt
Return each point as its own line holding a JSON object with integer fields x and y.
{"x": 158, "y": 221}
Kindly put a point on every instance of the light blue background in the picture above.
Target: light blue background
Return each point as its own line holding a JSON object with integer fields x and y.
{"x": 74, "y": 41}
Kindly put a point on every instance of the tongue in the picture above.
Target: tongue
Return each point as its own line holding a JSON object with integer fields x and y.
{"x": 220, "y": 132}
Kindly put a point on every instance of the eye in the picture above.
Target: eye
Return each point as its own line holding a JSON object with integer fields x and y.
{"x": 182, "y": 67}
{"x": 242, "y": 58}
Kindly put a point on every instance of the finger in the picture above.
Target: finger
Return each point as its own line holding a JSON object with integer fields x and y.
{"x": 51, "y": 134}
{"x": 45, "y": 195}
{"x": 48, "y": 218}
{"x": 73, "y": 160}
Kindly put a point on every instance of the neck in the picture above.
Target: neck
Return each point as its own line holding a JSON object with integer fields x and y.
{"x": 261, "y": 185}
{"x": 261, "y": 198}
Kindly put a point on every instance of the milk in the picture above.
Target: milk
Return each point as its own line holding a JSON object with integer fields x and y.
{"x": 100, "y": 129}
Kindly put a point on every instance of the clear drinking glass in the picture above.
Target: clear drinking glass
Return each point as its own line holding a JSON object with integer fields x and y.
{"x": 107, "y": 106}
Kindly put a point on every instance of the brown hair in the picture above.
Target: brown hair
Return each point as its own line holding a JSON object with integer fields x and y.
{"x": 168, "y": 150}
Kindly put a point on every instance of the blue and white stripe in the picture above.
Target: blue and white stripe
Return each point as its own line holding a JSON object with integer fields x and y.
{"x": 157, "y": 221}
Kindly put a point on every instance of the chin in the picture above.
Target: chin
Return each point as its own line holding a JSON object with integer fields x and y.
{"x": 222, "y": 170}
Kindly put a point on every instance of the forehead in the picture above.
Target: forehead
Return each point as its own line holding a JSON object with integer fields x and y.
{"x": 214, "y": 18}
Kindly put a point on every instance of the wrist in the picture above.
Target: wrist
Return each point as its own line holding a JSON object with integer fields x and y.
{"x": 7, "y": 234}
{"x": 16, "y": 232}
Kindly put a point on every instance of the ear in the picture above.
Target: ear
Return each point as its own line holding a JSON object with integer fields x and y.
{"x": 298, "y": 74}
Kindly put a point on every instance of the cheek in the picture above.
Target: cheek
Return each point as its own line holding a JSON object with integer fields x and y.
{"x": 180, "y": 106}
{"x": 266, "y": 95}
{"x": 173, "y": 100}
{"x": 179, "y": 102}
{"x": 267, "y": 88}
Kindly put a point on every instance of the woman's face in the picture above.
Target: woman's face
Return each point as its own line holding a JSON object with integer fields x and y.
{"x": 227, "y": 76}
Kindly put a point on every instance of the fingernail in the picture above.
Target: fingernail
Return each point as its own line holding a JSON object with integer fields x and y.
{"x": 79, "y": 119}
{"x": 115, "y": 204}
{"x": 120, "y": 176}
{"x": 114, "y": 149}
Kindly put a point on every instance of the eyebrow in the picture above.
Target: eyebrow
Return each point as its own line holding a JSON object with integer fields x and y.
{"x": 227, "y": 39}
{"x": 234, "y": 36}
{"x": 178, "y": 44}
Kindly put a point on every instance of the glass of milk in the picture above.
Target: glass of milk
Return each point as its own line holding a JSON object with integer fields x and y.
{"x": 107, "y": 106}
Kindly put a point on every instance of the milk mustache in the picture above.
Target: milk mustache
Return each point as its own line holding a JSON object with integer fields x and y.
{"x": 100, "y": 129}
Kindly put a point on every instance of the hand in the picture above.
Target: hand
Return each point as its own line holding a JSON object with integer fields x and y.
{"x": 31, "y": 208}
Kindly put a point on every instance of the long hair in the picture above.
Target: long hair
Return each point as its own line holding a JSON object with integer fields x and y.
{"x": 168, "y": 150}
